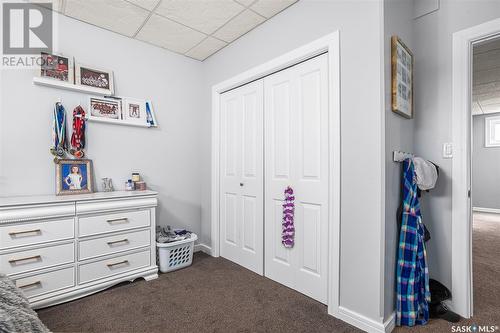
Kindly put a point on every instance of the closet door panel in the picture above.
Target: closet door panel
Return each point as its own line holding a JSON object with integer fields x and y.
{"x": 299, "y": 116}
{"x": 242, "y": 193}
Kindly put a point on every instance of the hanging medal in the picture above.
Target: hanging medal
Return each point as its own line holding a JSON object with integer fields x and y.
{"x": 59, "y": 132}
{"x": 78, "y": 136}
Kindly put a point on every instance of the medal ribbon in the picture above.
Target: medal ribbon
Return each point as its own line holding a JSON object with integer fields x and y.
{"x": 59, "y": 127}
{"x": 78, "y": 136}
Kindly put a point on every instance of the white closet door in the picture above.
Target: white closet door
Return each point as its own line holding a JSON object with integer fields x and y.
{"x": 296, "y": 155}
{"x": 242, "y": 182}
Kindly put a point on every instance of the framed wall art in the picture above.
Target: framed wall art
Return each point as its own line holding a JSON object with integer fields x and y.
{"x": 134, "y": 111}
{"x": 74, "y": 177}
{"x": 402, "y": 78}
{"x": 57, "y": 67}
{"x": 94, "y": 77}
{"x": 105, "y": 109}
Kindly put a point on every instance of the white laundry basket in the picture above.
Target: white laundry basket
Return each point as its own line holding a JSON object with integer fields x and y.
{"x": 175, "y": 255}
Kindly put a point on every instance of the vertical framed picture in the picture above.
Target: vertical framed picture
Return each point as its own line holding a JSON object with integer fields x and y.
{"x": 402, "y": 78}
{"x": 56, "y": 67}
{"x": 134, "y": 111}
{"x": 94, "y": 77}
{"x": 104, "y": 109}
{"x": 74, "y": 177}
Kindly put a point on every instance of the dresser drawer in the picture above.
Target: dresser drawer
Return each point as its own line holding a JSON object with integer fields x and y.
{"x": 28, "y": 260}
{"x": 108, "y": 267}
{"x": 35, "y": 233}
{"x": 47, "y": 282}
{"x": 92, "y": 225}
{"x": 112, "y": 244}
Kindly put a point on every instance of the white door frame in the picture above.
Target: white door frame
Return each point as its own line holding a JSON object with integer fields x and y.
{"x": 461, "y": 282}
{"x": 331, "y": 44}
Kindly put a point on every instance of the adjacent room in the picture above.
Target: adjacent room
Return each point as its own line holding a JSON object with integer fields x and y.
{"x": 249, "y": 166}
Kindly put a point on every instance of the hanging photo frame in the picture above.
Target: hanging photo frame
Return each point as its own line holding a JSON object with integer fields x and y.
{"x": 402, "y": 78}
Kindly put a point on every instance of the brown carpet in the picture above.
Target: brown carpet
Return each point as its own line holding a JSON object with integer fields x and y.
{"x": 216, "y": 295}
{"x": 486, "y": 275}
{"x": 213, "y": 295}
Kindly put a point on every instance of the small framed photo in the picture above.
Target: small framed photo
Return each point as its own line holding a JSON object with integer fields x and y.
{"x": 56, "y": 67}
{"x": 402, "y": 78}
{"x": 104, "y": 108}
{"x": 94, "y": 77}
{"x": 74, "y": 177}
{"x": 134, "y": 111}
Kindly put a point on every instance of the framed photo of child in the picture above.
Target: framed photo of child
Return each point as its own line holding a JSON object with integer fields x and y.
{"x": 74, "y": 177}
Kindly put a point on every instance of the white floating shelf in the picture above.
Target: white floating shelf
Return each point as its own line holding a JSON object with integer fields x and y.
{"x": 118, "y": 122}
{"x": 70, "y": 86}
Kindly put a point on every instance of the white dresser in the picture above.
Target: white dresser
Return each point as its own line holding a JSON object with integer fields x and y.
{"x": 58, "y": 248}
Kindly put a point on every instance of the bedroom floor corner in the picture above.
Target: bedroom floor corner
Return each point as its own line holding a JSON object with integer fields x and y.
{"x": 212, "y": 295}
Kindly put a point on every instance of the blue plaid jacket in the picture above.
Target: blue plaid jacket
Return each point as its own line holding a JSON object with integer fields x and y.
{"x": 413, "y": 294}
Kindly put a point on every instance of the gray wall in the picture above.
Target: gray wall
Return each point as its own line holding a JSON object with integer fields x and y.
{"x": 167, "y": 157}
{"x": 399, "y": 135}
{"x": 433, "y": 90}
{"x": 362, "y": 121}
{"x": 485, "y": 168}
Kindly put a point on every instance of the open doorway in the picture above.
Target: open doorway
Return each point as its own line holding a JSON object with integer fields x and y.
{"x": 485, "y": 179}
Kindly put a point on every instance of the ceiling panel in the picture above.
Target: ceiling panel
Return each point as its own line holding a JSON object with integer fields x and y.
{"x": 115, "y": 15}
{"x": 195, "y": 28}
{"x": 239, "y": 25}
{"x": 204, "y": 16}
{"x": 269, "y": 8}
{"x": 170, "y": 35}
{"x": 206, "y": 48}
{"x": 146, "y": 4}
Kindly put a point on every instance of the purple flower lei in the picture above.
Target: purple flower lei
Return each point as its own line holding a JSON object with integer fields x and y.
{"x": 288, "y": 228}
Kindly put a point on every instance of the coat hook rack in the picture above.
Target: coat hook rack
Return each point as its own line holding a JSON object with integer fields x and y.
{"x": 400, "y": 156}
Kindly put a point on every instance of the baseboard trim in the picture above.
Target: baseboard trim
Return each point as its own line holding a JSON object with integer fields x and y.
{"x": 203, "y": 248}
{"x": 486, "y": 210}
{"x": 364, "y": 323}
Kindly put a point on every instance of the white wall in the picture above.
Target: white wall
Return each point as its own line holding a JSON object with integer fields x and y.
{"x": 361, "y": 28}
{"x": 485, "y": 166}
{"x": 167, "y": 157}
{"x": 433, "y": 90}
{"x": 399, "y": 135}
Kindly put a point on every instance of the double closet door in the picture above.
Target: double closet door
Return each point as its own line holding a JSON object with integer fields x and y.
{"x": 274, "y": 134}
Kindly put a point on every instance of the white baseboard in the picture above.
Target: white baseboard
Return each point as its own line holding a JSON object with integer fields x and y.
{"x": 203, "y": 248}
{"x": 486, "y": 210}
{"x": 365, "y": 323}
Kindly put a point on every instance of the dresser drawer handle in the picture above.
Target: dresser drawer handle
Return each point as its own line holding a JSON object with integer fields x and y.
{"x": 121, "y": 219}
{"x": 118, "y": 241}
{"x": 15, "y": 233}
{"x": 124, "y": 262}
{"x": 15, "y": 261}
{"x": 29, "y": 285}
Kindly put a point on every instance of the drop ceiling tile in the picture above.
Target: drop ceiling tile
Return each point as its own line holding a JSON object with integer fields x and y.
{"x": 146, "y": 4}
{"x": 115, "y": 15}
{"x": 269, "y": 8}
{"x": 239, "y": 25}
{"x": 245, "y": 3}
{"x": 57, "y": 5}
{"x": 206, "y": 48}
{"x": 205, "y": 16}
{"x": 168, "y": 34}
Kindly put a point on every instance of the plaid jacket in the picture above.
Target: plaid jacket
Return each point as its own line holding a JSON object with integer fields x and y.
{"x": 413, "y": 294}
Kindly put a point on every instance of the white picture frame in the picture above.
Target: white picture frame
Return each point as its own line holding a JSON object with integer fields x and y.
{"x": 90, "y": 76}
{"x": 60, "y": 67}
{"x": 134, "y": 111}
{"x": 104, "y": 109}
{"x": 492, "y": 131}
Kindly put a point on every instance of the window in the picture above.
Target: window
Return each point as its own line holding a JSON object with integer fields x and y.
{"x": 492, "y": 131}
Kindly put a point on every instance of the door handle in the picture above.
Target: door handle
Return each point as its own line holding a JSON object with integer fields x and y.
{"x": 241, "y": 184}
